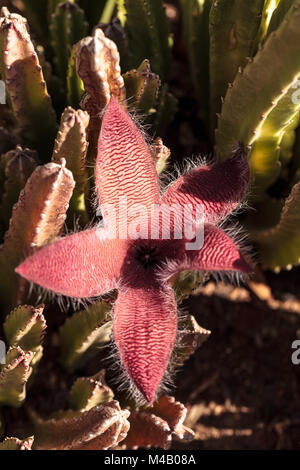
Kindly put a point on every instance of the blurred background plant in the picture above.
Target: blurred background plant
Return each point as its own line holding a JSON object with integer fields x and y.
{"x": 61, "y": 62}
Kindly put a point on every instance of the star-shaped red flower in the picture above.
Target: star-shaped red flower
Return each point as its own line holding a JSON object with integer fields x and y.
{"x": 90, "y": 263}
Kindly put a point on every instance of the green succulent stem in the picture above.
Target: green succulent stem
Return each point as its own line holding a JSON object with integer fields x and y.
{"x": 196, "y": 31}
{"x": 279, "y": 244}
{"x": 233, "y": 27}
{"x": 67, "y": 26}
{"x": 25, "y": 84}
{"x": 38, "y": 217}
{"x": 148, "y": 33}
{"x": 268, "y": 76}
{"x": 108, "y": 11}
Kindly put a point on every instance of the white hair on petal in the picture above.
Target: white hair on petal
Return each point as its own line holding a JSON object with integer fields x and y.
{"x": 138, "y": 118}
{"x": 239, "y": 237}
{"x": 64, "y": 302}
{"x": 179, "y": 169}
{"x": 122, "y": 380}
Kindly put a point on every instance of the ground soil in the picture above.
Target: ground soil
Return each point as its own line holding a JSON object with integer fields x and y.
{"x": 241, "y": 387}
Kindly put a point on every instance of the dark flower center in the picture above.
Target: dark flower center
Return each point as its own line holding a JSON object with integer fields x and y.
{"x": 147, "y": 256}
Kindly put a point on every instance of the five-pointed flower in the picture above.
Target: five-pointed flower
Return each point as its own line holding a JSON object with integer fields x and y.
{"x": 92, "y": 262}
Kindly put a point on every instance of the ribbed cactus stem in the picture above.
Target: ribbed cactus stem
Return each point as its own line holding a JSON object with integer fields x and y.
{"x": 14, "y": 376}
{"x": 67, "y": 26}
{"x": 71, "y": 144}
{"x": 148, "y": 33}
{"x": 100, "y": 428}
{"x": 98, "y": 66}
{"x": 264, "y": 157}
{"x": 25, "y": 84}
{"x": 142, "y": 88}
{"x": 38, "y": 217}
{"x": 18, "y": 164}
{"x": 254, "y": 92}
{"x": 279, "y": 245}
{"x": 75, "y": 88}
{"x": 233, "y": 28}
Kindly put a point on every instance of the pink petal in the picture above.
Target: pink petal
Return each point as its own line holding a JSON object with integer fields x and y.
{"x": 218, "y": 253}
{"x": 145, "y": 325}
{"x": 219, "y": 187}
{"x": 84, "y": 264}
{"x": 125, "y": 167}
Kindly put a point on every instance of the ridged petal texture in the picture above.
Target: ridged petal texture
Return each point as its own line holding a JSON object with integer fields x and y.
{"x": 219, "y": 188}
{"x": 145, "y": 325}
{"x": 125, "y": 166}
{"x": 84, "y": 264}
{"x": 218, "y": 253}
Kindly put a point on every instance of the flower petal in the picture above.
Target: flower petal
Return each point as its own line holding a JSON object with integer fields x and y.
{"x": 125, "y": 167}
{"x": 219, "y": 188}
{"x": 218, "y": 253}
{"x": 85, "y": 264}
{"x": 145, "y": 325}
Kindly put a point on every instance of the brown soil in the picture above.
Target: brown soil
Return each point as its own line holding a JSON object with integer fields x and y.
{"x": 241, "y": 387}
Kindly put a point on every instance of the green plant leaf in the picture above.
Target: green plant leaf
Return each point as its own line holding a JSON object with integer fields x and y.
{"x": 88, "y": 392}
{"x": 279, "y": 244}
{"x": 25, "y": 327}
{"x": 266, "y": 15}
{"x": 278, "y": 15}
{"x": 14, "y": 376}
{"x": 13, "y": 443}
{"x": 142, "y": 88}
{"x": 83, "y": 333}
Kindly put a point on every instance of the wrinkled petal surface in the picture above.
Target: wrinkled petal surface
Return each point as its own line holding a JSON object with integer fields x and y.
{"x": 218, "y": 253}
{"x": 125, "y": 167}
{"x": 219, "y": 188}
{"x": 145, "y": 325}
{"x": 85, "y": 264}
